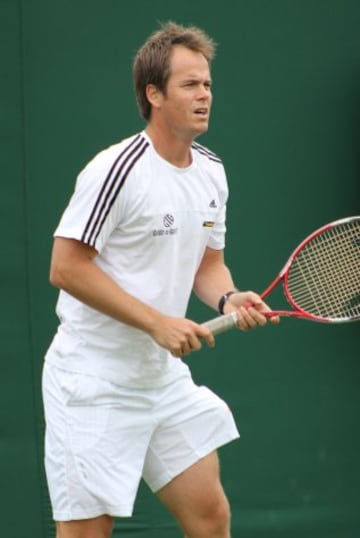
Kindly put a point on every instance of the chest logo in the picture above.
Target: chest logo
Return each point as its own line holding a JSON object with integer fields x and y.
{"x": 168, "y": 221}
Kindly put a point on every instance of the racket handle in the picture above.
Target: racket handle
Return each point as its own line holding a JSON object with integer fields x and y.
{"x": 221, "y": 323}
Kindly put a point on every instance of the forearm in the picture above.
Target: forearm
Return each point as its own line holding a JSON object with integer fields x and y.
{"x": 74, "y": 270}
{"x": 79, "y": 276}
{"x": 213, "y": 279}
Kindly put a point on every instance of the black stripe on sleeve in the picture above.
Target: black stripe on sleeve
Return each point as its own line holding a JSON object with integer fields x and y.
{"x": 111, "y": 188}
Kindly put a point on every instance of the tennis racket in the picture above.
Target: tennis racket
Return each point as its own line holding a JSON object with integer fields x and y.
{"x": 321, "y": 279}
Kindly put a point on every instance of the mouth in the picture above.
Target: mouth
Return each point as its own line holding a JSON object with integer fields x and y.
{"x": 202, "y": 112}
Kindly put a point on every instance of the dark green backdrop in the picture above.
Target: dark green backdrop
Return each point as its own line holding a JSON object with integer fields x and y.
{"x": 286, "y": 123}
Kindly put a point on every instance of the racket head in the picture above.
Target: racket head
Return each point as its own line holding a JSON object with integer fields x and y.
{"x": 321, "y": 278}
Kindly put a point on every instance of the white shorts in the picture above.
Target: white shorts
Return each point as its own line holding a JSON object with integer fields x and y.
{"x": 102, "y": 438}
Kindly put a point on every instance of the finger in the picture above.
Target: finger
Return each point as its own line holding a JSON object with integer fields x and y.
{"x": 257, "y": 316}
{"x": 265, "y": 309}
{"x": 250, "y": 318}
{"x": 261, "y": 306}
{"x": 274, "y": 319}
{"x": 210, "y": 340}
{"x": 206, "y": 335}
{"x": 192, "y": 344}
{"x": 244, "y": 320}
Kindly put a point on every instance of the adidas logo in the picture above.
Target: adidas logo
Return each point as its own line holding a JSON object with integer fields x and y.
{"x": 213, "y": 204}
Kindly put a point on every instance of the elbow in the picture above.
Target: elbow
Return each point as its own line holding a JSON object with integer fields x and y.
{"x": 56, "y": 277}
{"x": 68, "y": 263}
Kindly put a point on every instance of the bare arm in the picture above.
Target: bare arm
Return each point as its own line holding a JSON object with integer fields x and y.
{"x": 73, "y": 270}
{"x": 213, "y": 279}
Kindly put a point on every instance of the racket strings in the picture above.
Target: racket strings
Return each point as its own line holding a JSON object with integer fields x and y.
{"x": 324, "y": 278}
{"x": 332, "y": 292}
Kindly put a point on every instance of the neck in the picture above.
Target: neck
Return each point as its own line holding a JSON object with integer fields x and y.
{"x": 170, "y": 147}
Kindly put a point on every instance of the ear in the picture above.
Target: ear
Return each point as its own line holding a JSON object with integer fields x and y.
{"x": 154, "y": 95}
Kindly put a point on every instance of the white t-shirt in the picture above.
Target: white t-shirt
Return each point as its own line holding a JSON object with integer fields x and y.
{"x": 150, "y": 223}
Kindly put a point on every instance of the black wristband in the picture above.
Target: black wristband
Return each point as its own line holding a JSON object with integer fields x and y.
{"x": 223, "y": 300}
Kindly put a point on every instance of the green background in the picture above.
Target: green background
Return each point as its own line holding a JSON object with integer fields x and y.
{"x": 286, "y": 123}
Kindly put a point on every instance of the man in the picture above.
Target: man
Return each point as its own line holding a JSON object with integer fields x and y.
{"x": 145, "y": 227}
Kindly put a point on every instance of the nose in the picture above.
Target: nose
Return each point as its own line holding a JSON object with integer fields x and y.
{"x": 204, "y": 92}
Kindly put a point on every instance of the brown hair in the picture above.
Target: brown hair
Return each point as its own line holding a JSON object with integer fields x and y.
{"x": 151, "y": 64}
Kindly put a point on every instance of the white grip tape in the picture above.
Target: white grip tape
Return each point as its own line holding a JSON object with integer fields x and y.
{"x": 222, "y": 323}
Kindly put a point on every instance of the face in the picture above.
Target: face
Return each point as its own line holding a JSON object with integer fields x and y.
{"x": 185, "y": 108}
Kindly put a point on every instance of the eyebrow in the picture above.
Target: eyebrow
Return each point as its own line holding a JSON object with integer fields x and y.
{"x": 197, "y": 80}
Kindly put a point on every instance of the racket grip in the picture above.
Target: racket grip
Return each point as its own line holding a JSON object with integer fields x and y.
{"x": 221, "y": 323}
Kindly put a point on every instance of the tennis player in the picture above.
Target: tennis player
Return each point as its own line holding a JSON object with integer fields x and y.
{"x": 144, "y": 228}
